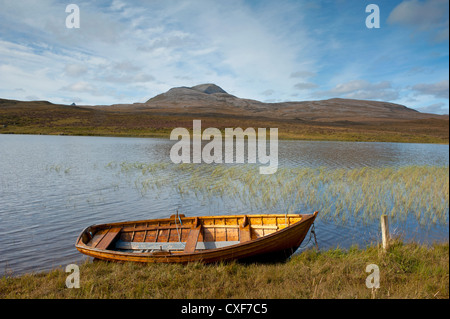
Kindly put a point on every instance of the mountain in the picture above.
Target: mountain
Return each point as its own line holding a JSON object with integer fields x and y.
{"x": 333, "y": 119}
{"x": 203, "y": 95}
{"x": 202, "y": 91}
{"x": 210, "y": 99}
{"x": 208, "y": 88}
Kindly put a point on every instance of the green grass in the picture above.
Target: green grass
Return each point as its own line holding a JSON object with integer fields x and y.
{"x": 406, "y": 271}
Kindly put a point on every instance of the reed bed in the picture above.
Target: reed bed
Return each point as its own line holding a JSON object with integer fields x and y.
{"x": 362, "y": 194}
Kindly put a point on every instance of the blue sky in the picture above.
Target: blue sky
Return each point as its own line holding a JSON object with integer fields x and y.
{"x": 272, "y": 51}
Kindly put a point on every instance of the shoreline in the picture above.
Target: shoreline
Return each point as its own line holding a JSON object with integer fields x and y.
{"x": 407, "y": 270}
{"x": 49, "y": 119}
{"x": 281, "y": 137}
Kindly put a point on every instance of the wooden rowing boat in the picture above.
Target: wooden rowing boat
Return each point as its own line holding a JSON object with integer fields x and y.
{"x": 207, "y": 239}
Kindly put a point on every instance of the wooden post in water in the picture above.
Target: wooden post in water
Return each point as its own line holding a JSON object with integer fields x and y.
{"x": 385, "y": 231}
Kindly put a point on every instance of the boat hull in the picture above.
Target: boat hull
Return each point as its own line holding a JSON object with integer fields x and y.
{"x": 276, "y": 246}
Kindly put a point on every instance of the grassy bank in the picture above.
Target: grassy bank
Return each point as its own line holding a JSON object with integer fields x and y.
{"x": 406, "y": 271}
{"x": 50, "y": 119}
{"x": 286, "y": 132}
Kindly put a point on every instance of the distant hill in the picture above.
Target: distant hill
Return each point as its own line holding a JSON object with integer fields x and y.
{"x": 212, "y": 99}
{"x": 203, "y": 95}
{"x": 333, "y": 119}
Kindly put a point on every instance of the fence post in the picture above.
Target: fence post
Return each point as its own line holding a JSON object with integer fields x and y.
{"x": 385, "y": 231}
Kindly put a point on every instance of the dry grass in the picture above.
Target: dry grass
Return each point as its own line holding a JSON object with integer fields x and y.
{"x": 406, "y": 271}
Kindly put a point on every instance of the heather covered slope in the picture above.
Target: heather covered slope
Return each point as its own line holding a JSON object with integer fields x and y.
{"x": 333, "y": 119}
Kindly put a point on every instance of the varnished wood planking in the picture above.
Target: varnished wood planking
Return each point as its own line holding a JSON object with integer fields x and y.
{"x": 108, "y": 238}
{"x": 163, "y": 235}
{"x": 221, "y": 234}
{"x": 151, "y": 235}
{"x": 175, "y": 235}
{"x": 231, "y": 221}
{"x": 256, "y": 221}
{"x": 192, "y": 239}
{"x": 185, "y": 234}
{"x": 284, "y": 240}
{"x": 98, "y": 237}
{"x": 139, "y": 236}
{"x": 208, "y": 234}
{"x": 244, "y": 234}
{"x": 232, "y": 234}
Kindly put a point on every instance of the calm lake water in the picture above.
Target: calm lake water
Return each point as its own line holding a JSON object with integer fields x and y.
{"x": 51, "y": 187}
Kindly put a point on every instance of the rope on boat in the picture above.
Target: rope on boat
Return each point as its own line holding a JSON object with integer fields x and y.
{"x": 311, "y": 233}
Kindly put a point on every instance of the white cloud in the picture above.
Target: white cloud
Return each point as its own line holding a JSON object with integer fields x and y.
{"x": 169, "y": 40}
{"x": 117, "y": 5}
{"x": 437, "y": 90}
{"x": 305, "y": 86}
{"x": 75, "y": 70}
{"x": 32, "y": 98}
{"x": 82, "y": 87}
{"x": 231, "y": 44}
{"x": 358, "y": 85}
{"x": 362, "y": 89}
{"x": 436, "y": 108}
{"x": 268, "y": 92}
{"x": 429, "y": 15}
{"x": 128, "y": 78}
{"x": 249, "y": 46}
{"x": 130, "y": 51}
{"x": 302, "y": 74}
